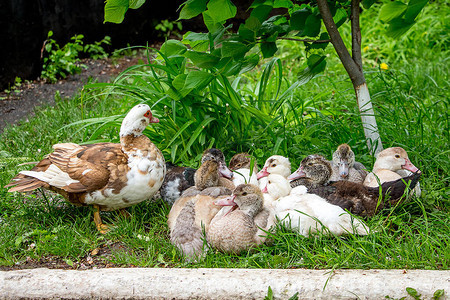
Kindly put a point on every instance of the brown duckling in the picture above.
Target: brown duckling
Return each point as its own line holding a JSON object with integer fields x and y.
{"x": 244, "y": 226}
{"x": 195, "y": 209}
{"x": 345, "y": 167}
{"x": 240, "y": 165}
{"x": 353, "y": 196}
{"x": 179, "y": 179}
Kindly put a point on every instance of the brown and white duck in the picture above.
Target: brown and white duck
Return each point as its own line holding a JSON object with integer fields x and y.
{"x": 194, "y": 210}
{"x": 240, "y": 164}
{"x": 245, "y": 225}
{"x": 345, "y": 167}
{"x": 179, "y": 179}
{"x": 106, "y": 175}
{"x": 355, "y": 197}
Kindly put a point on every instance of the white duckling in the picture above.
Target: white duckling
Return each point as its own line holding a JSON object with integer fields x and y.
{"x": 195, "y": 209}
{"x": 344, "y": 166}
{"x": 308, "y": 213}
{"x": 240, "y": 165}
{"x": 276, "y": 164}
{"x": 245, "y": 225}
{"x": 388, "y": 162}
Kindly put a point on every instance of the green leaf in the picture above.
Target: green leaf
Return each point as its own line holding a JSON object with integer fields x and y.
{"x": 298, "y": 19}
{"x": 398, "y": 27}
{"x": 312, "y": 26}
{"x": 246, "y": 34}
{"x": 233, "y": 49}
{"x": 210, "y": 23}
{"x": 135, "y": 4}
{"x": 257, "y": 3}
{"x": 192, "y": 8}
{"x": 221, "y": 10}
{"x": 392, "y": 10}
{"x": 283, "y": 4}
{"x": 315, "y": 64}
{"x": 202, "y": 60}
{"x": 115, "y": 10}
{"x": 340, "y": 17}
{"x": 197, "y": 41}
{"x": 414, "y": 8}
{"x": 368, "y": 3}
{"x": 261, "y": 12}
{"x": 249, "y": 63}
{"x": 268, "y": 49}
{"x": 173, "y": 47}
{"x": 198, "y": 79}
{"x": 179, "y": 81}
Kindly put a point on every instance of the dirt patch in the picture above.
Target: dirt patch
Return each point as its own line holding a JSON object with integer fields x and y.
{"x": 20, "y": 105}
{"x": 96, "y": 259}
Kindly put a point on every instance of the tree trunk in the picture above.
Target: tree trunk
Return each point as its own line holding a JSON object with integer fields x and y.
{"x": 368, "y": 118}
{"x": 353, "y": 66}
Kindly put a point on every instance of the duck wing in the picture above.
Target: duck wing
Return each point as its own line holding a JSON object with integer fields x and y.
{"x": 76, "y": 169}
{"x": 396, "y": 189}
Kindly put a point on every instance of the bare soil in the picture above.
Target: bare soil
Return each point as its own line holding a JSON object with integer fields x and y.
{"x": 19, "y": 106}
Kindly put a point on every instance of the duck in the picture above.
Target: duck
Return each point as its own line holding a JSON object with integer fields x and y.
{"x": 243, "y": 227}
{"x": 240, "y": 164}
{"x": 192, "y": 213}
{"x": 355, "y": 197}
{"x": 178, "y": 179}
{"x": 107, "y": 176}
{"x": 275, "y": 164}
{"x": 344, "y": 166}
{"x": 308, "y": 213}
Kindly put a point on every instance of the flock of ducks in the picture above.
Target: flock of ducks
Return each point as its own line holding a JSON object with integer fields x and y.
{"x": 231, "y": 209}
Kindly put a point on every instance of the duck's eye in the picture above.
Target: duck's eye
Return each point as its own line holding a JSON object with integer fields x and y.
{"x": 274, "y": 165}
{"x": 270, "y": 182}
{"x": 147, "y": 114}
{"x": 397, "y": 156}
{"x": 310, "y": 164}
{"x": 244, "y": 194}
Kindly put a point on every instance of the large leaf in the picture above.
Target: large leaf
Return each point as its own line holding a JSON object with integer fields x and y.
{"x": 414, "y": 8}
{"x": 315, "y": 64}
{"x": 261, "y": 12}
{"x": 210, "y": 23}
{"x": 392, "y": 10}
{"x": 221, "y": 10}
{"x": 268, "y": 49}
{"x": 233, "y": 49}
{"x": 312, "y": 26}
{"x": 298, "y": 19}
{"x": 173, "y": 47}
{"x": 135, "y": 4}
{"x": 192, "y": 8}
{"x": 340, "y": 17}
{"x": 198, "y": 79}
{"x": 115, "y": 10}
{"x": 368, "y": 3}
{"x": 398, "y": 27}
{"x": 283, "y": 4}
{"x": 202, "y": 60}
{"x": 197, "y": 41}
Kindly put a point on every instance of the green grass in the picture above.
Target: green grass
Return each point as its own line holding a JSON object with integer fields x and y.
{"x": 411, "y": 104}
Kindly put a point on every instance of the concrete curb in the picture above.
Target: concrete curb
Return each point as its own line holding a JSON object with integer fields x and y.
{"x": 139, "y": 283}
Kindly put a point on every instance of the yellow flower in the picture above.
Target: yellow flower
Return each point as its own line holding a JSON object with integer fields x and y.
{"x": 384, "y": 66}
{"x": 365, "y": 48}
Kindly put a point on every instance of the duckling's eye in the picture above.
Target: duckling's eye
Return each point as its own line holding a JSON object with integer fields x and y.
{"x": 244, "y": 194}
{"x": 270, "y": 182}
{"x": 310, "y": 164}
{"x": 274, "y": 165}
{"x": 397, "y": 156}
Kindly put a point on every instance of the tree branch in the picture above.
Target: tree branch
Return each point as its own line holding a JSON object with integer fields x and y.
{"x": 350, "y": 66}
{"x": 356, "y": 34}
{"x": 305, "y": 40}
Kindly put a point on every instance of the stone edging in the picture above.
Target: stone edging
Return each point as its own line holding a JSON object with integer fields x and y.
{"x": 138, "y": 283}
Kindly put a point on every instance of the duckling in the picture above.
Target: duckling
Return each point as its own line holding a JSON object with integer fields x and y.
{"x": 345, "y": 167}
{"x": 240, "y": 165}
{"x": 195, "y": 209}
{"x": 388, "y": 162}
{"x": 245, "y": 225}
{"x": 179, "y": 179}
{"x": 308, "y": 213}
{"x": 357, "y": 198}
{"x": 276, "y": 164}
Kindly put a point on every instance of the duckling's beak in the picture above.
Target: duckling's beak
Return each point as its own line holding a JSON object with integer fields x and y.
{"x": 224, "y": 171}
{"x": 297, "y": 174}
{"x": 265, "y": 190}
{"x": 262, "y": 173}
{"x": 409, "y": 166}
{"x": 228, "y": 201}
{"x": 343, "y": 169}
